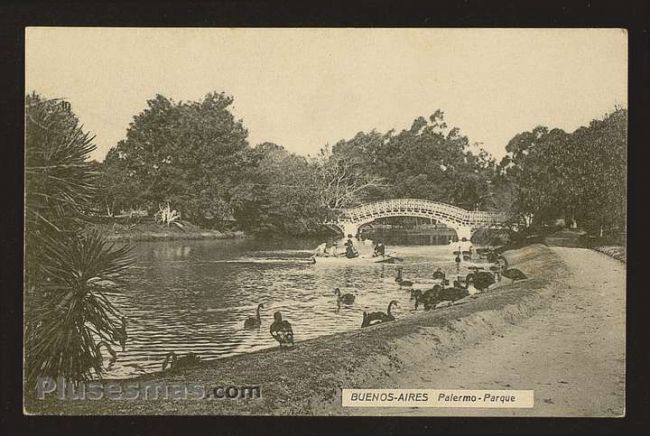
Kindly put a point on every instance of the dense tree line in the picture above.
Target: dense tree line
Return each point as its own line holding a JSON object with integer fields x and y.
{"x": 579, "y": 177}
{"x": 196, "y": 157}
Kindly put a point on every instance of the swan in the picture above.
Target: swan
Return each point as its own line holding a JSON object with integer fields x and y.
{"x": 254, "y": 321}
{"x": 496, "y": 270}
{"x": 469, "y": 285}
{"x": 514, "y": 274}
{"x": 98, "y": 353}
{"x": 502, "y": 261}
{"x": 281, "y": 330}
{"x": 482, "y": 280}
{"x": 492, "y": 256}
{"x": 345, "y": 298}
{"x": 451, "y": 294}
{"x": 378, "y": 317}
{"x": 428, "y": 298}
{"x": 401, "y": 281}
{"x": 175, "y": 362}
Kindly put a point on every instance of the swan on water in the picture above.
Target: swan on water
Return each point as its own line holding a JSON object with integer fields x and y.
{"x": 98, "y": 353}
{"x": 254, "y": 321}
{"x": 400, "y": 280}
{"x": 175, "y": 362}
{"x": 343, "y": 298}
{"x": 378, "y": 317}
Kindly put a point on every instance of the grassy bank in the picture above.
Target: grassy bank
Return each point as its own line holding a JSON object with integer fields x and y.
{"x": 617, "y": 252}
{"x": 308, "y": 378}
{"x": 149, "y": 231}
{"x": 580, "y": 239}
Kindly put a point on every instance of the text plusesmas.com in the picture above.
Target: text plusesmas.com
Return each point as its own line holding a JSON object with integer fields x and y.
{"x": 59, "y": 388}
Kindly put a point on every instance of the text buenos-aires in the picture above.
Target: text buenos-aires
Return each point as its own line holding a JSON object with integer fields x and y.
{"x": 389, "y": 396}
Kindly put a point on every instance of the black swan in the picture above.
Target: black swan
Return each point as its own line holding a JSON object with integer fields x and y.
{"x": 492, "y": 256}
{"x": 98, "y": 352}
{"x": 428, "y": 298}
{"x": 254, "y": 321}
{"x": 453, "y": 293}
{"x": 401, "y": 281}
{"x": 514, "y": 274}
{"x": 175, "y": 362}
{"x": 281, "y": 330}
{"x": 496, "y": 270}
{"x": 502, "y": 261}
{"x": 469, "y": 285}
{"x": 482, "y": 280}
{"x": 378, "y": 317}
{"x": 345, "y": 298}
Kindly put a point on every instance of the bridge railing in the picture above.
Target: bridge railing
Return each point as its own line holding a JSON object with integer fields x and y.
{"x": 454, "y": 213}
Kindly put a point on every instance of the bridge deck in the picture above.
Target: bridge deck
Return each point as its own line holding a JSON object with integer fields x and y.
{"x": 423, "y": 208}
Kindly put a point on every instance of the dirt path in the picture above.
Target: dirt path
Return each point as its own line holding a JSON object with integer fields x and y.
{"x": 571, "y": 353}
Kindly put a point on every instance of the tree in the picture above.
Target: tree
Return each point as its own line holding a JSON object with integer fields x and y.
{"x": 66, "y": 310}
{"x": 190, "y": 154}
{"x": 428, "y": 160}
{"x": 599, "y": 171}
{"x": 577, "y": 176}
{"x": 279, "y": 194}
{"x": 343, "y": 181}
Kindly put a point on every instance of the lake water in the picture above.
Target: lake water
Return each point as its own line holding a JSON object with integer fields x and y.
{"x": 193, "y": 296}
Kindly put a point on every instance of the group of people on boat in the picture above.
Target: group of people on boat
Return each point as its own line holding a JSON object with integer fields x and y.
{"x": 350, "y": 251}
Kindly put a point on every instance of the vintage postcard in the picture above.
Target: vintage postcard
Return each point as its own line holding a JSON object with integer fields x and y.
{"x": 321, "y": 221}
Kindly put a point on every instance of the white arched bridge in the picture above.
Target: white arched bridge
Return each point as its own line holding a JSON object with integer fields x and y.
{"x": 465, "y": 222}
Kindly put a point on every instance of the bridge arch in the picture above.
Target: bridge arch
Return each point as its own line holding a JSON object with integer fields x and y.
{"x": 463, "y": 221}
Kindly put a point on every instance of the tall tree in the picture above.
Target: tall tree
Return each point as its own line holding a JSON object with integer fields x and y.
{"x": 428, "y": 160}
{"x": 577, "y": 176}
{"x": 279, "y": 195}
{"x": 191, "y": 154}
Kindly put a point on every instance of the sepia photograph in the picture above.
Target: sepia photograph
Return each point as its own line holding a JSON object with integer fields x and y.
{"x": 325, "y": 221}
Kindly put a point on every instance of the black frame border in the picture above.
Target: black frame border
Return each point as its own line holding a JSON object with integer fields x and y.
{"x": 15, "y": 16}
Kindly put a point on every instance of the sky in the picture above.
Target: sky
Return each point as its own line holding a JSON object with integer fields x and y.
{"x": 304, "y": 88}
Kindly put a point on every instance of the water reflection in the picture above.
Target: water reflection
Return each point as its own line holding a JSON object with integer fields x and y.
{"x": 194, "y": 296}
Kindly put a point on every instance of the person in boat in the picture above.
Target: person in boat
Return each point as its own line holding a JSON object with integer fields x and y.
{"x": 321, "y": 250}
{"x": 350, "y": 251}
{"x": 380, "y": 249}
{"x": 334, "y": 249}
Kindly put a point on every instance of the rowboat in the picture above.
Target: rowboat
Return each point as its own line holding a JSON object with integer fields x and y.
{"x": 360, "y": 260}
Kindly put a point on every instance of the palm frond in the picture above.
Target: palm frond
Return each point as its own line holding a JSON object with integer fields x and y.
{"x": 71, "y": 313}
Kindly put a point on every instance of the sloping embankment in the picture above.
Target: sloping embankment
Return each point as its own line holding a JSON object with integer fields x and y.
{"x": 308, "y": 379}
{"x": 615, "y": 251}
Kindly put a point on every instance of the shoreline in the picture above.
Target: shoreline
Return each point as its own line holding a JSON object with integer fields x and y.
{"x": 173, "y": 236}
{"x": 145, "y": 232}
{"x": 306, "y": 380}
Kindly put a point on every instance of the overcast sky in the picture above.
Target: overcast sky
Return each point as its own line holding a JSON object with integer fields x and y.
{"x": 303, "y": 88}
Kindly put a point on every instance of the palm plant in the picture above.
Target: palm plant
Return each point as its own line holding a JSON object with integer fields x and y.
{"x": 71, "y": 312}
{"x": 66, "y": 311}
{"x": 167, "y": 216}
